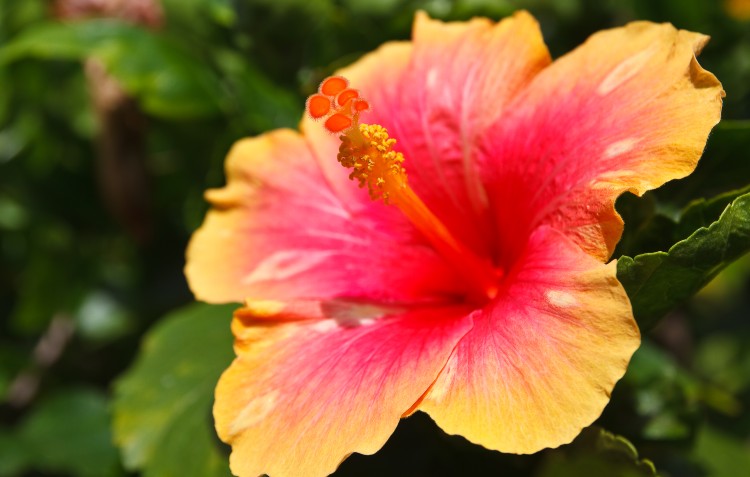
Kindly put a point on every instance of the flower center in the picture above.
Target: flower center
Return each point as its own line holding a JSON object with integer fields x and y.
{"x": 367, "y": 150}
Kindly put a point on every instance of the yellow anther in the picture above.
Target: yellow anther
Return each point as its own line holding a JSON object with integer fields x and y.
{"x": 368, "y": 151}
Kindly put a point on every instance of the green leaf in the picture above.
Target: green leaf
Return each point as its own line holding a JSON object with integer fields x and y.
{"x": 703, "y": 212}
{"x": 163, "y": 403}
{"x": 68, "y": 432}
{"x": 657, "y": 282}
{"x": 721, "y": 454}
{"x": 597, "y": 452}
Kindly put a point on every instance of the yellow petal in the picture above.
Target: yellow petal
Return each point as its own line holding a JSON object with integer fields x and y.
{"x": 303, "y": 394}
{"x": 630, "y": 109}
{"x": 542, "y": 359}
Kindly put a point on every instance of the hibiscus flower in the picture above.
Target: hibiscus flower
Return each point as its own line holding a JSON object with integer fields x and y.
{"x": 478, "y": 290}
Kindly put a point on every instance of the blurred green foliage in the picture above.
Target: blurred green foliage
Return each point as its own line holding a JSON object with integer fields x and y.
{"x": 67, "y": 432}
{"x": 92, "y": 242}
{"x": 162, "y": 405}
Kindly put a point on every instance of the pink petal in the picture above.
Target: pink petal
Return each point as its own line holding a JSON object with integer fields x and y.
{"x": 434, "y": 97}
{"x": 541, "y": 360}
{"x": 303, "y": 394}
{"x": 628, "y": 110}
{"x": 277, "y": 231}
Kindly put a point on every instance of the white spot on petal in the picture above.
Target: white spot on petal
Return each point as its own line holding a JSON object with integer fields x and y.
{"x": 331, "y": 324}
{"x": 441, "y": 386}
{"x": 625, "y": 71}
{"x": 620, "y": 147}
{"x": 561, "y": 299}
{"x": 323, "y": 326}
{"x": 254, "y": 411}
{"x": 432, "y": 78}
{"x": 285, "y": 264}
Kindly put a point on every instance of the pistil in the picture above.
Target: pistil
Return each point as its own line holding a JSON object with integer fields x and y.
{"x": 367, "y": 151}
